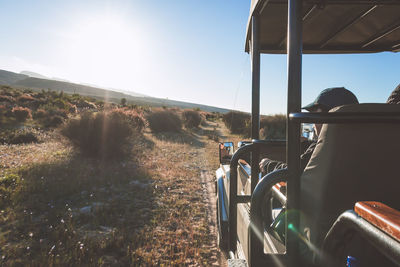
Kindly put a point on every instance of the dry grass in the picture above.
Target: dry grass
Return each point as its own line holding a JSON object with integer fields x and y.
{"x": 180, "y": 233}
{"x": 59, "y": 208}
{"x": 16, "y": 156}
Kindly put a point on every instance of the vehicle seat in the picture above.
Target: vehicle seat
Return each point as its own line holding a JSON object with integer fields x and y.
{"x": 351, "y": 162}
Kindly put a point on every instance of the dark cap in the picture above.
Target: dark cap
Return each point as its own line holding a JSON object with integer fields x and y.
{"x": 394, "y": 97}
{"x": 332, "y": 97}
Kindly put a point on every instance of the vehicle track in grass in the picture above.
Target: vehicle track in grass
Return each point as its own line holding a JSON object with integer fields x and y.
{"x": 211, "y": 154}
{"x": 183, "y": 167}
{"x": 195, "y": 161}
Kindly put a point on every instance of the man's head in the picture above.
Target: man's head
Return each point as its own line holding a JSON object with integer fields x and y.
{"x": 331, "y": 98}
{"x": 394, "y": 97}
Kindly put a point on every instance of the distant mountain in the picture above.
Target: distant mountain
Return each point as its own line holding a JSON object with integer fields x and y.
{"x": 8, "y": 77}
{"x": 70, "y": 88}
{"x": 33, "y": 74}
{"x": 125, "y": 92}
{"x": 22, "y": 80}
{"x": 40, "y": 76}
{"x": 59, "y": 79}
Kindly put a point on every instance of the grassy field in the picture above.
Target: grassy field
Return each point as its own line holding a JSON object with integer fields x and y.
{"x": 60, "y": 208}
{"x": 153, "y": 204}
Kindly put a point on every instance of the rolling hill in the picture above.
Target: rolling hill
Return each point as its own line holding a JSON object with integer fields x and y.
{"x": 25, "y": 81}
{"x": 9, "y": 78}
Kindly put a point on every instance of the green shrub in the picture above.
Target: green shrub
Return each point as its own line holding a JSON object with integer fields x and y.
{"x": 211, "y": 116}
{"x": 102, "y": 134}
{"x": 60, "y": 103}
{"x": 23, "y": 137}
{"x": 237, "y": 122}
{"x": 84, "y": 104}
{"x": 71, "y": 108}
{"x": 25, "y": 98}
{"x": 53, "y": 111}
{"x": 39, "y": 114}
{"x": 3, "y": 109}
{"x": 273, "y": 127}
{"x": 21, "y": 113}
{"x": 164, "y": 121}
{"x": 6, "y": 98}
{"x": 53, "y": 121}
{"x": 191, "y": 118}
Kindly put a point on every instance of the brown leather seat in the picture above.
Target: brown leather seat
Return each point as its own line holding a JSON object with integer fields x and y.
{"x": 351, "y": 162}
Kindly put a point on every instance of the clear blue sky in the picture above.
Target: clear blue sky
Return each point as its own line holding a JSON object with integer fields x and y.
{"x": 185, "y": 50}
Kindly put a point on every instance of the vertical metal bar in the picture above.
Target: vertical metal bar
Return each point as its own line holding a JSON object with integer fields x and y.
{"x": 233, "y": 197}
{"x": 306, "y": 16}
{"x": 233, "y": 204}
{"x": 255, "y": 99}
{"x": 294, "y": 51}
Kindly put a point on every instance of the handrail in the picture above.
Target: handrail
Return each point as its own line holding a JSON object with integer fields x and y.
{"x": 241, "y": 165}
{"x": 349, "y": 220}
{"x": 276, "y": 142}
{"x": 263, "y": 188}
{"x": 345, "y": 117}
{"x": 234, "y": 199}
{"x": 380, "y": 215}
{"x": 233, "y": 194}
{"x": 277, "y": 194}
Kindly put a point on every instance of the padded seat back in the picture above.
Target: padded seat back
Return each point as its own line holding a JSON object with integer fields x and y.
{"x": 351, "y": 162}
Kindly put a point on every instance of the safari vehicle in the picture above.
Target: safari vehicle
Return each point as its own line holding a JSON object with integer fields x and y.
{"x": 344, "y": 206}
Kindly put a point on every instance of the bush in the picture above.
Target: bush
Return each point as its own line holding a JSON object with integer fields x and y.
{"x": 84, "y": 104}
{"x": 60, "y": 103}
{"x": 40, "y": 113}
{"x": 6, "y": 98}
{"x": 237, "y": 122}
{"x": 23, "y": 138}
{"x": 136, "y": 119}
{"x": 72, "y": 108}
{"x": 21, "y": 113}
{"x": 191, "y": 118}
{"x": 102, "y": 134}
{"x": 54, "y": 111}
{"x": 53, "y": 121}
{"x": 211, "y": 116}
{"x": 164, "y": 121}
{"x": 273, "y": 127}
{"x": 3, "y": 109}
{"x": 25, "y": 98}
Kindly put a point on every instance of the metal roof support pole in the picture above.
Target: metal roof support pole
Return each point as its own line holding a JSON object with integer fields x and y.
{"x": 294, "y": 55}
{"x": 255, "y": 99}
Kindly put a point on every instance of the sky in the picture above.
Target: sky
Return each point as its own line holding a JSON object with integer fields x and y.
{"x": 189, "y": 50}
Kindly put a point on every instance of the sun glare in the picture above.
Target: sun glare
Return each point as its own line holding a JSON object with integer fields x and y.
{"x": 105, "y": 46}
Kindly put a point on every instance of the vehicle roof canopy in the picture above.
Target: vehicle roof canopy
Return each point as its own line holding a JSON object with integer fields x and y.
{"x": 330, "y": 26}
